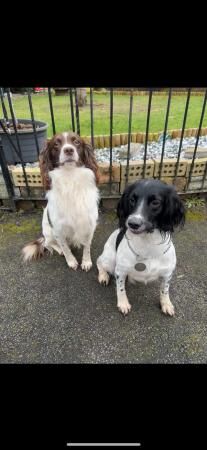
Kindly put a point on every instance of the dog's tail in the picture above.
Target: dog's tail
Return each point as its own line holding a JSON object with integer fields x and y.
{"x": 34, "y": 249}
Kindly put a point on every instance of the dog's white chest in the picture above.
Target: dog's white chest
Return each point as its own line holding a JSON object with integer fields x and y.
{"x": 152, "y": 269}
{"x": 146, "y": 259}
{"x": 73, "y": 202}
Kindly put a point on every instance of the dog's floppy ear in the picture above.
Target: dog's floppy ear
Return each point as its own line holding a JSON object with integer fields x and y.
{"x": 173, "y": 211}
{"x": 89, "y": 159}
{"x": 46, "y": 164}
{"x": 120, "y": 211}
{"x": 123, "y": 207}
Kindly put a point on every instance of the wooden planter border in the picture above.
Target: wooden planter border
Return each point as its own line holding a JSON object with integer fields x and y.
{"x": 103, "y": 141}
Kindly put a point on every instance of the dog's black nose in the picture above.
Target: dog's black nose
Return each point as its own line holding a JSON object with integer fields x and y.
{"x": 68, "y": 151}
{"x": 135, "y": 224}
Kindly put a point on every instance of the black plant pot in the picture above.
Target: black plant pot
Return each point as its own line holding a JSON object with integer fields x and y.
{"x": 26, "y": 140}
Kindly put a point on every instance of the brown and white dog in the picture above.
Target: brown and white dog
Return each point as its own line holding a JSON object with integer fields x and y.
{"x": 69, "y": 173}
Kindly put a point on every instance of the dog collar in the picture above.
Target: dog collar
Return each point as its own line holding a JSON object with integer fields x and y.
{"x": 140, "y": 266}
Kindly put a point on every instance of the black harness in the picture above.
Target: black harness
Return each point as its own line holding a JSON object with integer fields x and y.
{"x": 120, "y": 237}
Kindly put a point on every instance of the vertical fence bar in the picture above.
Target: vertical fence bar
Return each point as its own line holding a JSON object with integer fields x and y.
{"x": 182, "y": 133}
{"x": 3, "y": 106}
{"x": 197, "y": 140}
{"x": 17, "y": 139}
{"x": 165, "y": 131}
{"x": 129, "y": 135}
{"x": 51, "y": 110}
{"x": 33, "y": 121}
{"x": 111, "y": 137}
{"x": 204, "y": 177}
{"x": 77, "y": 113}
{"x": 72, "y": 109}
{"x": 91, "y": 111}
{"x": 6, "y": 175}
{"x": 147, "y": 130}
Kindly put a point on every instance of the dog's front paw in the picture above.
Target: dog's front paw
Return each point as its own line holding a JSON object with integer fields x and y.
{"x": 124, "y": 307}
{"x": 73, "y": 264}
{"x": 168, "y": 308}
{"x": 86, "y": 265}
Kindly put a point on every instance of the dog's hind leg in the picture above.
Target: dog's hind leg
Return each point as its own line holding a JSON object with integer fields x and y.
{"x": 107, "y": 260}
{"x": 70, "y": 258}
{"x": 56, "y": 247}
{"x": 106, "y": 265}
{"x": 103, "y": 276}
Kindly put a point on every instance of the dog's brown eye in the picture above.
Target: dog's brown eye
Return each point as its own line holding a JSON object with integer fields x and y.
{"x": 76, "y": 142}
{"x": 132, "y": 201}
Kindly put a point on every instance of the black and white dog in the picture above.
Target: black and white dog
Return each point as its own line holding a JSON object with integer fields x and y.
{"x": 142, "y": 249}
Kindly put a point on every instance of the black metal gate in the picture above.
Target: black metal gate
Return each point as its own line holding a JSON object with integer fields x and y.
{"x": 76, "y": 126}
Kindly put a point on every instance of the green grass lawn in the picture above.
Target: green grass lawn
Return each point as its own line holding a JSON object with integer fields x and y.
{"x": 61, "y": 105}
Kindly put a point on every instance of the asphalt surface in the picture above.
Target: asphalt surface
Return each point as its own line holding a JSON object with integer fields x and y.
{"x": 51, "y": 314}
